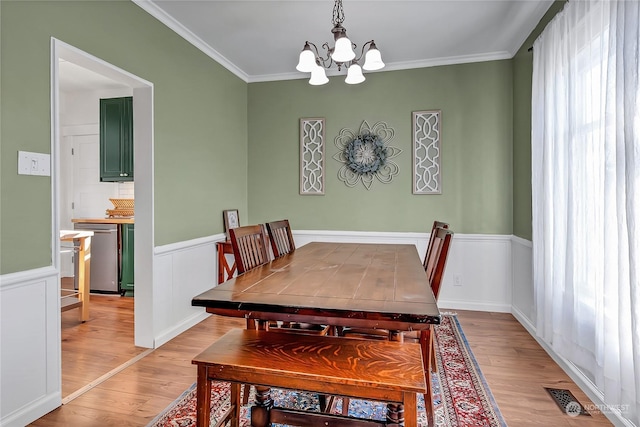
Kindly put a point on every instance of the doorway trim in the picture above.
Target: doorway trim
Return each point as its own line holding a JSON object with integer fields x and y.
{"x": 143, "y": 171}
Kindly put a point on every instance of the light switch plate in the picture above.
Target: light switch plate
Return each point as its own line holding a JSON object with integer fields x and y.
{"x": 34, "y": 163}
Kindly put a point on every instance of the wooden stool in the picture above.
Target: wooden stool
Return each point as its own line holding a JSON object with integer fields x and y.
{"x": 383, "y": 371}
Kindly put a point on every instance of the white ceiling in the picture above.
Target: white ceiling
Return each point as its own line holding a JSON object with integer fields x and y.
{"x": 260, "y": 40}
{"x": 73, "y": 77}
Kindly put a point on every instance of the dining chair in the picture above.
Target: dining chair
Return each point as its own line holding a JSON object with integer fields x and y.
{"x": 428, "y": 256}
{"x": 281, "y": 238}
{"x": 249, "y": 247}
{"x": 439, "y": 248}
{"x": 249, "y": 244}
{"x": 282, "y": 243}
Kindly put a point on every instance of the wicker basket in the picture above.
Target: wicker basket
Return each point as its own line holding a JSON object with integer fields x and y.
{"x": 111, "y": 213}
{"x": 122, "y": 203}
{"x": 123, "y": 208}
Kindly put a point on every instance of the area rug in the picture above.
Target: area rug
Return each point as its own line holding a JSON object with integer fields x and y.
{"x": 461, "y": 395}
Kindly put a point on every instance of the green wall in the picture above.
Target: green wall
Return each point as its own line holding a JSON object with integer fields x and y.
{"x": 200, "y": 122}
{"x": 220, "y": 143}
{"x": 476, "y": 149}
{"x": 523, "y": 72}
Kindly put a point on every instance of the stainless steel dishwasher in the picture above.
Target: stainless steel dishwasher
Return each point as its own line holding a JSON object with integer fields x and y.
{"x": 104, "y": 257}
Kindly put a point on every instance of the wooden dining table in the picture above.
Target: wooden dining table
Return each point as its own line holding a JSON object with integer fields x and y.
{"x": 344, "y": 285}
{"x": 340, "y": 284}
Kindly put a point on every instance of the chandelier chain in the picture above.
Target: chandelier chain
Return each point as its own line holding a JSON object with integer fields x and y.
{"x": 338, "y": 13}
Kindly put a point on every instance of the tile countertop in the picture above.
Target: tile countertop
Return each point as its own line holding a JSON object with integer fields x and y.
{"x": 128, "y": 220}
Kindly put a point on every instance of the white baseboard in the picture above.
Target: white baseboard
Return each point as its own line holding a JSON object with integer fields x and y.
{"x": 34, "y": 410}
{"x": 445, "y": 305}
{"x": 184, "y": 325}
{"x": 574, "y": 373}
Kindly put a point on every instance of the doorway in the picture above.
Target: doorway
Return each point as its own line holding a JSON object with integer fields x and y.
{"x": 143, "y": 135}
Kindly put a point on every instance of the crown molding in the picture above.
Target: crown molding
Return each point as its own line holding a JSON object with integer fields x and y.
{"x": 183, "y": 32}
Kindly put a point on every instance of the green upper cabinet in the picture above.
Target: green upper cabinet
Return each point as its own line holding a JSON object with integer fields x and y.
{"x": 116, "y": 139}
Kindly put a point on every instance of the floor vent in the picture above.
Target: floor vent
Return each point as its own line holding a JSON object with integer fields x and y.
{"x": 567, "y": 402}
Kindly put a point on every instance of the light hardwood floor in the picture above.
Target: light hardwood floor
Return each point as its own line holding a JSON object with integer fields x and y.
{"x": 514, "y": 365}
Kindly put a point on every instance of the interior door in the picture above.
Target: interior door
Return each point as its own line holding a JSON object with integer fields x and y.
{"x": 91, "y": 197}
{"x": 82, "y": 195}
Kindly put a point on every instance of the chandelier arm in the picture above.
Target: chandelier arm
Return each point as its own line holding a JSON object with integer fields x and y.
{"x": 314, "y": 48}
{"x": 362, "y": 51}
{"x": 328, "y": 61}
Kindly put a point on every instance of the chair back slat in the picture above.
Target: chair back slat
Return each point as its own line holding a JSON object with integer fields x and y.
{"x": 281, "y": 237}
{"x": 442, "y": 245}
{"x": 249, "y": 247}
{"x": 428, "y": 257}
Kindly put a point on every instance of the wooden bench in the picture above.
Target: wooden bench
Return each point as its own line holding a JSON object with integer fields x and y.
{"x": 383, "y": 371}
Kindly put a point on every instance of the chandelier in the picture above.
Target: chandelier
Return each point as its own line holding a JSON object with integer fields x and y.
{"x": 342, "y": 55}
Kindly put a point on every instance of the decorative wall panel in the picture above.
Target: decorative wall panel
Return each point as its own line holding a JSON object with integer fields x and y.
{"x": 426, "y": 152}
{"x": 312, "y": 156}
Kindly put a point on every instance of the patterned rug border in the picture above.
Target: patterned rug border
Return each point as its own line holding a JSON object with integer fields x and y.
{"x": 493, "y": 406}
{"x": 442, "y": 413}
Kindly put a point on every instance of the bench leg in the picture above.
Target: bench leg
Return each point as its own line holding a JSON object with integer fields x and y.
{"x": 411, "y": 410}
{"x": 203, "y": 398}
{"x": 260, "y": 412}
{"x": 235, "y": 404}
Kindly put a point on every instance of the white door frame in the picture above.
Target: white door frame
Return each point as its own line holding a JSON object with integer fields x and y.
{"x": 143, "y": 172}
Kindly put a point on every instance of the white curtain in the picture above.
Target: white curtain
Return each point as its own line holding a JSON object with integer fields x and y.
{"x": 586, "y": 194}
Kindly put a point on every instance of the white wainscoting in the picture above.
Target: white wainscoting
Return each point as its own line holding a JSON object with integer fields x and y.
{"x": 182, "y": 271}
{"x": 478, "y": 274}
{"x": 522, "y": 282}
{"x": 30, "y": 382}
{"x": 30, "y": 340}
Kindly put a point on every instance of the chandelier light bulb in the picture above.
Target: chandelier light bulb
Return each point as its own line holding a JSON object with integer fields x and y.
{"x": 318, "y": 76}
{"x": 343, "y": 52}
{"x": 354, "y": 75}
{"x": 373, "y": 59}
{"x": 307, "y": 61}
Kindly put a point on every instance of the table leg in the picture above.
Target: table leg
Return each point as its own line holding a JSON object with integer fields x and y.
{"x": 395, "y": 414}
{"x": 260, "y": 412}
{"x": 84, "y": 275}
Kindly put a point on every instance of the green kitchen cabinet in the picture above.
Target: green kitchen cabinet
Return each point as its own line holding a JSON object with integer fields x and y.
{"x": 116, "y": 139}
{"x": 126, "y": 267}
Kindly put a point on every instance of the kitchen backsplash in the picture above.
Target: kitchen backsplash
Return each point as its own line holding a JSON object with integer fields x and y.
{"x": 125, "y": 190}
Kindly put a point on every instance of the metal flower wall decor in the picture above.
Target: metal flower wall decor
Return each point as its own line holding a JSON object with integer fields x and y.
{"x": 366, "y": 155}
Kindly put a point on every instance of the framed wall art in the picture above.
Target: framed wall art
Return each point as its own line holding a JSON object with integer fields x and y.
{"x": 427, "y": 172}
{"x": 312, "y": 156}
{"x": 231, "y": 219}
